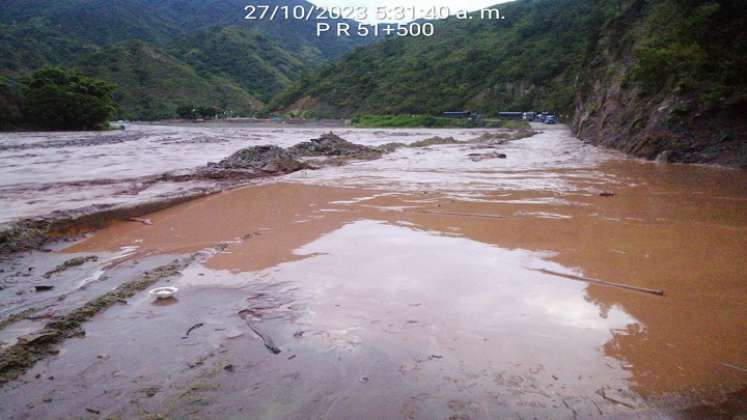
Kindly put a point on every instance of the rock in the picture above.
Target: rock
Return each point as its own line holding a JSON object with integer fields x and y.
{"x": 477, "y": 157}
{"x": 491, "y": 138}
{"x": 43, "y": 288}
{"x": 664, "y": 156}
{"x": 267, "y": 158}
{"x": 331, "y": 145}
{"x": 523, "y": 133}
{"x": 39, "y": 337}
{"x": 391, "y": 147}
{"x": 433, "y": 141}
{"x": 150, "y": 391}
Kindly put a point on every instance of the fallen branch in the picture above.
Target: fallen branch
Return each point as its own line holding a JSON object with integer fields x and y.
{"x": 193, "y": 327}
{"x": 604, "y": 395}
{"x": 269, "y": 344}
{"x": 739, "y": 368}
{"x": 602, "y": 282}
{"x": 140, "y": 220}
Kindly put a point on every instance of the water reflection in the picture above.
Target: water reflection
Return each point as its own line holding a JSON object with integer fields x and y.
{"x": 398, "y": 296}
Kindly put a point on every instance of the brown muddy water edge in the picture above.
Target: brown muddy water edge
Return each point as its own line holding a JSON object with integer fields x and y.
{"x": 32, "y": 234}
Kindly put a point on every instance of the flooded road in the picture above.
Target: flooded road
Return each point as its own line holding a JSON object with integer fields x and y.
{"x": 41, "y": 173}
{"x": 420, "y": 285}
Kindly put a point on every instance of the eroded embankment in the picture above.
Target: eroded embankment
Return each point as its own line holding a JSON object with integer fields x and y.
{"x": 697, "y": 121}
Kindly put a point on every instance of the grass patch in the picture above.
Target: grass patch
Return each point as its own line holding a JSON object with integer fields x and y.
{"x": 409, "y": 121}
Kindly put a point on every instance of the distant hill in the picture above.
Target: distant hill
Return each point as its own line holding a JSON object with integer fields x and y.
{"x": 208, "y": 39}
{"x": 153, "y": 83}
{"x": 252, "y": 61}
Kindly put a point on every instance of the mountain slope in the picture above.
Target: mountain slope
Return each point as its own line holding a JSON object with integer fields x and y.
{"x": 259, "y": 57}
{"x": 255, "y": 63}
{"x": 96, "y": 22}
{"x": 29, "y": 46}
{"x": 529, "y": 60}
{"x": 666, "y": 80}
{"x": 161, "y": 22}
{"x": 152, "y": 84}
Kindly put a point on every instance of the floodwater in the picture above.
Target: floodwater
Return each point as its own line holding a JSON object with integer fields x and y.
{"x": 420, "y": 285}
{"x": 42, "y": 173}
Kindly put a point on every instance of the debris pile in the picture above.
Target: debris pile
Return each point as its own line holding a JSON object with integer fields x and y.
{"x": 332, "y": 145}
{"x": 271, "y": 159}
{"x": 434, "y": 141}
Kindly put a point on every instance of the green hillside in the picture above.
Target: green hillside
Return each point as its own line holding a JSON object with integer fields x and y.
{"x": 254, "y": 62}
{"x": 27, "y": 47}
{"x": 96, "y": 22}
{"x": 206, "y": 39}
{"x": 152, "y": 84}
{"x": 529, "y": 60}
{"x": 666, "y": 80}
{"x": 533, "y": 59}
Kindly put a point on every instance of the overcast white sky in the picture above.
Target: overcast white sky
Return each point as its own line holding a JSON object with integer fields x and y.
{"x": 371, "y": 5}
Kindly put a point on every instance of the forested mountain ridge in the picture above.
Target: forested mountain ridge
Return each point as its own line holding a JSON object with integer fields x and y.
{"x": 224, "y": 51}
{"x": 530, "y": 60}
{"x": 151, "y": 83}
{"x": 253, "y": 61}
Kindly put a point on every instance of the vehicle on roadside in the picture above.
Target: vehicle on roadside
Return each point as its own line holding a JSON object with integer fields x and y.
{"x": 511, "y": 115}
{"x": 547, "y": 118}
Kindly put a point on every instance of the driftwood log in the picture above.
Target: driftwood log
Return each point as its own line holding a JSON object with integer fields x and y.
{"x": 658, "y": 292}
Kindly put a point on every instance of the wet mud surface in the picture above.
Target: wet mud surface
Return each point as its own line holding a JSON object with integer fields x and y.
{"x": 416, "y": 285}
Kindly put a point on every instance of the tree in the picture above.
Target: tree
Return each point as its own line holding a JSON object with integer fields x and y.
{"x": 187, "y": 112}
{"x": 207, "y": 112}
{"x": 9, "y": 107}
{"x": 59, "y": 99}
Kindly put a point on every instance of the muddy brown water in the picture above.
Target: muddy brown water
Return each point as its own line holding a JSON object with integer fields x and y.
{"x": 409, "y": 288}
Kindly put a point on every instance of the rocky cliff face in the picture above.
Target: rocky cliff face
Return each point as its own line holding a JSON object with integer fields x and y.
{"x": 643, "y": 93}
